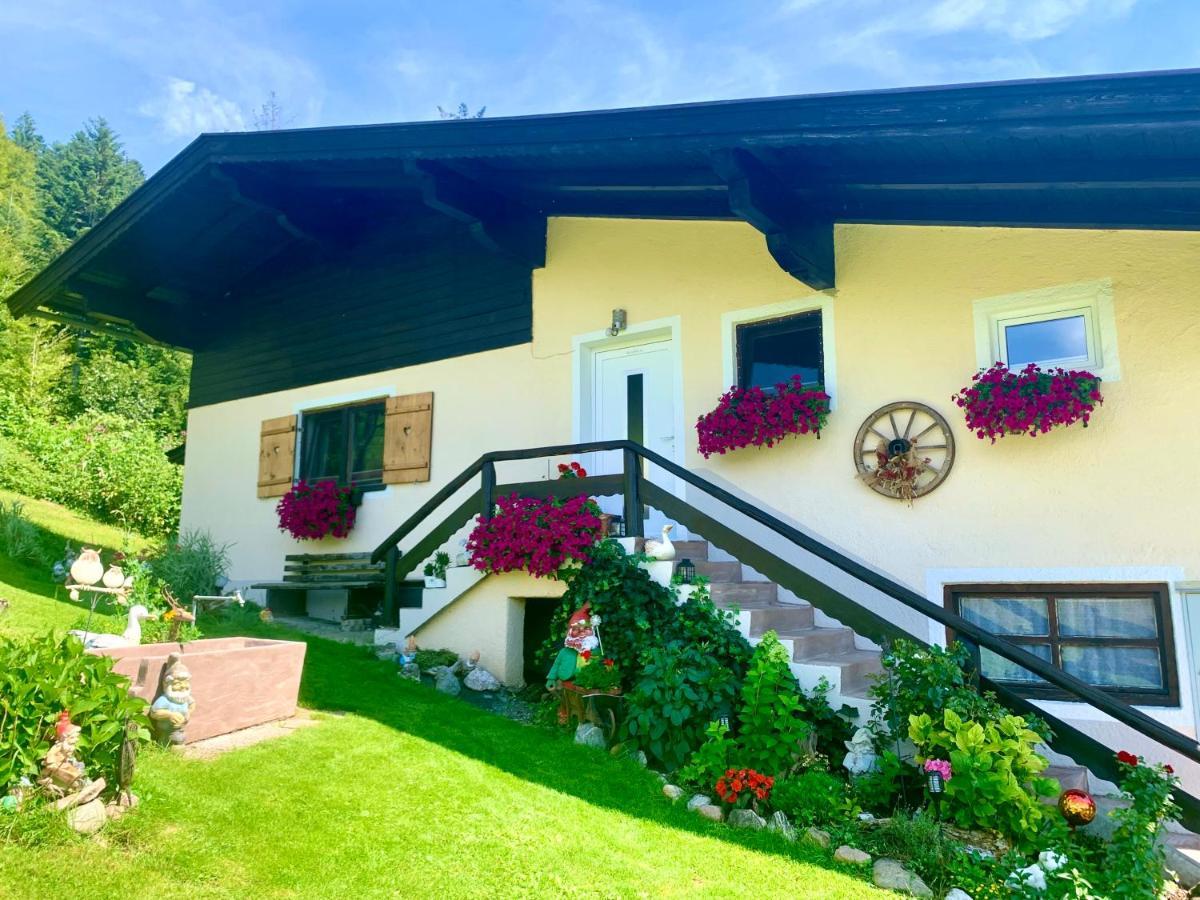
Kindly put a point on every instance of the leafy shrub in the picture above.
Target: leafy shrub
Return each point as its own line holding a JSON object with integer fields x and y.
{"x": 19, "y": 537}
{"x": 428, "y": 659}
{"x": 831, "y": 728}
{"x": 894, "y": 783}
{"x": 772, "y": 738}
{"x": 995, "y": 781}
{"x": 711, "y": 760}
{"x": 814, "y": 797}
{"x": 1133, "y": 851}
{"x": 39, "y": 678}
{"x": 190, "y": 565}
{"x": 919, "y": 679}
{"x": 680, "y": 689}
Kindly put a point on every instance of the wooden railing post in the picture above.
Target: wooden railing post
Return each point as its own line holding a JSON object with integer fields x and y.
{"x": 633, "y": 491}
{"x": 390, "y": 588}
{"x": 487, "y": 489}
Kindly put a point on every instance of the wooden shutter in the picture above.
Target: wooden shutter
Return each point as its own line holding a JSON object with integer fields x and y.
{"x": 407, "y": 438}
{"x": 276, "y": 456}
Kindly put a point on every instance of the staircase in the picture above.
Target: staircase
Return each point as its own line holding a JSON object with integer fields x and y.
{"x": 820, "y": 647}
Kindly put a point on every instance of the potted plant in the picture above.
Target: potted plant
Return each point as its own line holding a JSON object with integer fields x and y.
{"x": 751, "y": 416}
{"x": 312, "y": 511}
{"x": 1000, "y": 401}
{"x": 435, "y": 570}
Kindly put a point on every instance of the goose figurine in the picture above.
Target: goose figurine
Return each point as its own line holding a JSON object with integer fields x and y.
{"x": 664, "y": 549}
{"x": 131, "y": 637}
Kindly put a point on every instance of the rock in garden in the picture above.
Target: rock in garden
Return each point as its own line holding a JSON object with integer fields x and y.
{"x": 815, "y": 837}
{"x": 711, "y": 812}
{"x": 747, "y": 818}
{"x": 88, "y": 818}
{"x": 889, "y": 874}
{"x": 447, "y": 682}
{"x": 698, "y": 800}
{"x": 411, "y": 671}
{"x": 480, "y": 679}
{"x": 958, "y": 894}
{"x": 590, "y": 735}
{"x": 779, "y": 824}
{"x": 672, "y": 791}
{"x": 851, "y": 855}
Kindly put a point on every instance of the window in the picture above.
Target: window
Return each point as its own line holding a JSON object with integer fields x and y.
{"x": 1072, "y": 326}
{"x": 1116, "y": 637}
{"x": 774, "y": 350}
{"x": 344, "y": 444}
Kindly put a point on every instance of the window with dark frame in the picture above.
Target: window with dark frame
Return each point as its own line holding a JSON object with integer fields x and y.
{"x": 344, "y": 444}
{"x": 773, "y": 350}
{"x": 1117, "y": 637}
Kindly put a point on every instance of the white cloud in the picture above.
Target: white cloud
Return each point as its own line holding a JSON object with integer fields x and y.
{"x": 184, "y": 110}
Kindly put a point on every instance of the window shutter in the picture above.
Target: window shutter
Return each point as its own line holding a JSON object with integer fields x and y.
{"x": 276, "y": 456}
{"x": 407, "y": 438}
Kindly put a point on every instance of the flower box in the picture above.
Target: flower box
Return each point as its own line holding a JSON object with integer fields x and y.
{"x": 1000, "y": 401}
{"x": 747, "y": 417}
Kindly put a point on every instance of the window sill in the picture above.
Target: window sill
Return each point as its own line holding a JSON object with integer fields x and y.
{"x": 1163, "y": 699}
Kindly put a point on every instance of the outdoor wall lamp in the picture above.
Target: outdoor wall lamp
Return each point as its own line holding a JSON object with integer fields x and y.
{"x": 619, "y": 322}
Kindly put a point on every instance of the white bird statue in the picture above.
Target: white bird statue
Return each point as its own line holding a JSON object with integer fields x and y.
{"x": 131, "y": 637}
{"x": 664, "y": 549}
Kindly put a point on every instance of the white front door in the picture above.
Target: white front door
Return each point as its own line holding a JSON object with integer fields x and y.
{"x": 633, "y": 396}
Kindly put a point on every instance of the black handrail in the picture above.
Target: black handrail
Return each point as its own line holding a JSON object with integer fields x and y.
{"x": 1122, "y": 712}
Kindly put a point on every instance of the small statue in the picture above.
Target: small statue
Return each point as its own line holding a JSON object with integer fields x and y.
{"x": 62, "y": 773}
{"x": 861, "y": 758}
{"x": 171, "y": 710}
{"x": 581, "y": 640}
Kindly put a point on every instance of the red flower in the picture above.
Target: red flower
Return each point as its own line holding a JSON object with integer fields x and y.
{"x": 1168, "y": 770}
{"x": 1127, "y": 758}
{"x": 563, "y": 467}
{"x": 610, "y": 662}
{"x": 586, "y": 654}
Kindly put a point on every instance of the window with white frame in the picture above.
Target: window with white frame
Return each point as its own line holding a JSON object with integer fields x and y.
{"x": 1071, "y": 326}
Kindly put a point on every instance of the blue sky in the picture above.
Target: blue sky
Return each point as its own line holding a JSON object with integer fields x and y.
{"x": 162, "y": 72}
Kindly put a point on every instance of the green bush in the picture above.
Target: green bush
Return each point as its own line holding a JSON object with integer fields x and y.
{"x": 427, "y": 659}
{"x": 680, "y": 690}
{"x": 711, "y": 760}
{"x": 894, "y": 783}
{"x": 995, "y": 779}
{"x": 772, "y": 738}
{"x": 39, "y": 678}
{"x": 1134, "y": 851}
{"x": 814, "y": 797}
{"x": 19, "y": 538}
{"x": 191, "y": 565}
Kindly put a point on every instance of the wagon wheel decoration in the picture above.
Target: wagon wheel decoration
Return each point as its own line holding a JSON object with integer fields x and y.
{"x": 904, "y": 450}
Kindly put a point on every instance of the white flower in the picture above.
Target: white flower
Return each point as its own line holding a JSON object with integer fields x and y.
{"x": 595, "y": 621}
{"x": 1031, "y": 876}
{"x": 1051, "y": 861}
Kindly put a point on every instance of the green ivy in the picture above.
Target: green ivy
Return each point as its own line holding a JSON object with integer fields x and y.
{"x": 39, "y": 678}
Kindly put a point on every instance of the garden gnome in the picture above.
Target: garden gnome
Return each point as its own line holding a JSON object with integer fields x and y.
{"x": 172, "y": 709}
{"x": 861, "y": 758}
{"x": 62, "y": 773}
{"x": 581, "y": 640}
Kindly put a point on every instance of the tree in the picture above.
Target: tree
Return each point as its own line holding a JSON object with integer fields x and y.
{"x": 462, "y": 112}
{"x": 26, "y": 136}
{"x": 84, "y": 179}
{"x": 269, "y": 116}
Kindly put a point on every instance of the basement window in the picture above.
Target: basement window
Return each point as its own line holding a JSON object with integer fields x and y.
{"x": 343, "y": 444}
{"x": 1115, "y": 637}
{"x": 774, "y": 350}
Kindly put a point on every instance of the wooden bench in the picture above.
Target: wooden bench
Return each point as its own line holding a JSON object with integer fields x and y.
{"x": 354, "y": 573}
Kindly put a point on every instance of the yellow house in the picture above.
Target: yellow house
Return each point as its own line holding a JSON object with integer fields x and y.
{"x": 386, "y": 306}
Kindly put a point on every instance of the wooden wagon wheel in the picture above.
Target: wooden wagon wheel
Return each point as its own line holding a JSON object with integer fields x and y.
{"x": 901, "y": 428}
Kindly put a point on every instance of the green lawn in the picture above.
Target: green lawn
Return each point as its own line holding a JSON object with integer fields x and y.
{"x": 399, "y": 791}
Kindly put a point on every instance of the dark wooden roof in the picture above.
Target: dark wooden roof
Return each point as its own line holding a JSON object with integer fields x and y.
{"x": 1118, "y": 151}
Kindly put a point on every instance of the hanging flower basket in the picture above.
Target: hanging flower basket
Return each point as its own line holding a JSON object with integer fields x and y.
{"x": 1000, "y": 401}
{"x": 747, "y": 417}
{"x": 536, "y": 536}
{"x": 309, "y": 512}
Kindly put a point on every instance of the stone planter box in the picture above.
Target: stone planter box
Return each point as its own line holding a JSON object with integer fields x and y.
{"x": 237, "y": 682}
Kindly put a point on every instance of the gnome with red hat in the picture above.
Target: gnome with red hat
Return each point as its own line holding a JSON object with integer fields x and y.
{"x": 582, "y": 638}
{"x": 62, "y": 773}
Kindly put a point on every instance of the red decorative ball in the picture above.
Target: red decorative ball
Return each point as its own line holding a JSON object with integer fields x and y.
{"x": 1077, "y": 807}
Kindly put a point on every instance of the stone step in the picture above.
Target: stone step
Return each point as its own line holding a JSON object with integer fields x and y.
{"x": 744, "y": 595}
{"x": 1068, "y": 777}
{"x": 820, "y": 642}
{"x": 850, "y": 668}
{"x": 717, "y": 572}
{"x": 793, "y": 618}
{"x": 693, "y": 550}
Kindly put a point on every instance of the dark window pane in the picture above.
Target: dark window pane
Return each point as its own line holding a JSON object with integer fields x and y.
{"x": 1117, "y": 617}
{"x": 1008, "y": 615}
{"x": 367, "y": 464}
{"x": 772, "y": 352}
{"x": 1050, "y": 340}
{"x": 998, "y": 668}
{"x": 1132, "y": 668}
{"x": 323, "y": 455}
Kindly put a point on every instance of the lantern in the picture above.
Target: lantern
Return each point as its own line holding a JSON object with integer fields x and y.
{"x": 616, "y": 527}
{"x": 936, "y": 783}
{"x": 686, "y": 570}
{"x": 1077, "y": 807}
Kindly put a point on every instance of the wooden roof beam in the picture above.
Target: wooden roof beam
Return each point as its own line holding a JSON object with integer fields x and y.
{"x": 496, "y": 222}
{"x": 242, "y": 192}
{"x": 799, "y": 241}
